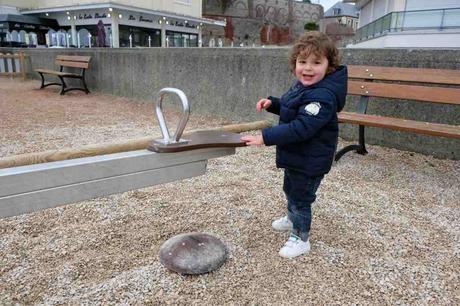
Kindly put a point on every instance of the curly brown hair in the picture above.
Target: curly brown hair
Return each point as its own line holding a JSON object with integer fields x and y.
{"x": 317, "y": 43}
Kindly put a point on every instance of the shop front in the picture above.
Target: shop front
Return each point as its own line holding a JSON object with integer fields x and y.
{"x": 113, "y": 25}
{"x": 24, "y": 31}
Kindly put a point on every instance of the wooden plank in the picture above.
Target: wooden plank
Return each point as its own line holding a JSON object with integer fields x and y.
{"x": 47, "y": 71}
{"x": 31, "y": 188}
{"x": 409, "y": 92}
{"x": 436, "y": 76}
{"x": 427, "y": 128}
{"x": 198, "y": 140}
{"x": 53, "y": 72}
{"x": 9, "y": 64}
{"x": 74, "y": 58}
{"x": 22, "y": 63}
{"x": 17, "y": 64}
{"x": 2, "y": 64}
{"x": 53, "y": 197}
{"x": 72, "y": 64}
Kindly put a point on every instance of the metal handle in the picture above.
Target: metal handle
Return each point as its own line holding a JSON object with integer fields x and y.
{"x": 161, "y": 120}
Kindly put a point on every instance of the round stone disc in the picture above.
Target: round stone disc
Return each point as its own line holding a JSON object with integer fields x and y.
{"x": 193, "y": 253}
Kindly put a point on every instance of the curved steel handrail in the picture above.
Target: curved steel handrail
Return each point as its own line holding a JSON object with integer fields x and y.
{"x": 161, "y": 120}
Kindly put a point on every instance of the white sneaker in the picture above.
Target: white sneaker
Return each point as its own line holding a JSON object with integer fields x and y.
{"x": 294, "y": 247}
{"x": 282, "y": 224}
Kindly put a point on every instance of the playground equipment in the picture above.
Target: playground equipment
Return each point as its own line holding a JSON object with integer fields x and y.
{"x": 32, "y": 182}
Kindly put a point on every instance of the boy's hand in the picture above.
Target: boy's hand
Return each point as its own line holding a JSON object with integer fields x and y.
{"x": 263, "y": 104}
{"x": 253, "y": 140}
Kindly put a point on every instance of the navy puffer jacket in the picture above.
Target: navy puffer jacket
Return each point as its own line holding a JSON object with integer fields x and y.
{"x": 307, "y": 134}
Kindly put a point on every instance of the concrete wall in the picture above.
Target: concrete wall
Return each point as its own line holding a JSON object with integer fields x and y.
{"x": 228, "y": 82}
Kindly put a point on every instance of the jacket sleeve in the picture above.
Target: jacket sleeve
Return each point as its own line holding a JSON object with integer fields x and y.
{"x": 310, "y": 118}
{"x": 275, "y": 107}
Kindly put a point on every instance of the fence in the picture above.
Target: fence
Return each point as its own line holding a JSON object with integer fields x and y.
{"x": 440, "y": 20}
{"x": 12, "y": 65}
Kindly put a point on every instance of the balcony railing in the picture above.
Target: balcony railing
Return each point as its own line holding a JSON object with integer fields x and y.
{"x": 440, "y": 19}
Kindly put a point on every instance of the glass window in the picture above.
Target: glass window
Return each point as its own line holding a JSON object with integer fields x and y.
{"x": 423, "y": 19}
{"x": 452, "y": 18}
{"x": 177, "y": 39}
{"x": 140, "y": 37}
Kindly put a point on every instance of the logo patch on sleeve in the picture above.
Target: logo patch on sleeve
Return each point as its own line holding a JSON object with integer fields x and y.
{"x": 313, "y": 108}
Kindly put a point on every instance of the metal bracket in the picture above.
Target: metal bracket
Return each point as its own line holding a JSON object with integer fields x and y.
{"x": 161, "y": 120}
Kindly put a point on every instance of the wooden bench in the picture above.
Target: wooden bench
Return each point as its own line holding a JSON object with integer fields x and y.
{"x": 69, "y": 61}
{"x": 412, "y": 84}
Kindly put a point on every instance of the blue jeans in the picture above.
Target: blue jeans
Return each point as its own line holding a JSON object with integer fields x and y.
{"x": 300, "y": 191}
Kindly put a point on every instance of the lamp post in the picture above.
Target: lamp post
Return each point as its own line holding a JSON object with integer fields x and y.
{"x": 130, "y": 41}
{"x": 150, "y": 41}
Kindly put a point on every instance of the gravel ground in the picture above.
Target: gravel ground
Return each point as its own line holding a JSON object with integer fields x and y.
{"x": 386, "y": 225}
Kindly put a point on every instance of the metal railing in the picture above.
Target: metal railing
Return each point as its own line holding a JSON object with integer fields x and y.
{"x": 439, "y": 19}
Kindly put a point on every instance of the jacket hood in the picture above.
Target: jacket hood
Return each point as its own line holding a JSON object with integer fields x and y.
{"x": 336, "y": 82}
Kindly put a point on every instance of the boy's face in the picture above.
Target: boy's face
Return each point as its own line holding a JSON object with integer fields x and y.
{"x": 312, "y": 69}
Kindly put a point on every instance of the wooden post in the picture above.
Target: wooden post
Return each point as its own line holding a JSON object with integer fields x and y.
{"x": 22, "y": 64}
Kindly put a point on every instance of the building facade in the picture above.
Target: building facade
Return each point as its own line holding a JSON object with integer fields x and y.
{"x": 340, "y": 22}
{"x": 259, "y": 22}
{"x": 407, "y": 23}
{"x": 90, "y": 23}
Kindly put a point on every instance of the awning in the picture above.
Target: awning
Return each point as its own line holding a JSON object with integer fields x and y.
{"x": 123, "y": 7}
{"x": 9, "y": 22}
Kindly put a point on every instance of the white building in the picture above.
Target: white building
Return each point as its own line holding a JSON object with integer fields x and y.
{"x": 89, "y": 23}
{"x": 407, "y": 23}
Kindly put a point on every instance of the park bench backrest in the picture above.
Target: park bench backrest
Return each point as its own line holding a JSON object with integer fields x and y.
{"x": 362, "y": 83}
{"x": 73, "y": 61}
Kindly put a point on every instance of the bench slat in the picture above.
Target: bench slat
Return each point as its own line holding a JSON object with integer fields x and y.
{"x": 72, "y": 64}
{"x": 53, "y": 72}
{"x": 427, "y": 128}
{"x": 74, "y": 58}
{"x": 408, "y": 92}
{"x": 433, "y": 76}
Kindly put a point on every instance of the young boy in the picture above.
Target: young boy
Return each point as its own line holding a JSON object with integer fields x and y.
{"x": 307, "y": 134}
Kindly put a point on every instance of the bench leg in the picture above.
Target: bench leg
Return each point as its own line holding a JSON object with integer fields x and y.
{"x": 360, "y": 148}
{"x": 43, "y": 85}
{"x": 84, "y": 85}
{"x": 63, "y": 85}
{"x": 43, "y": 80}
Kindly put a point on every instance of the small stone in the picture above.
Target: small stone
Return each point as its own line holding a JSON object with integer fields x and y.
{"x": 193, "y": 253}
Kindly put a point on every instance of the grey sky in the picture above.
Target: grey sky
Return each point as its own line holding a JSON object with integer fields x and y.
{"x": 326, "y": 3}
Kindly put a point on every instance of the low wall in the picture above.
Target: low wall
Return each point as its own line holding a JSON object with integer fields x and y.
{"x": 229, "y": 81}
